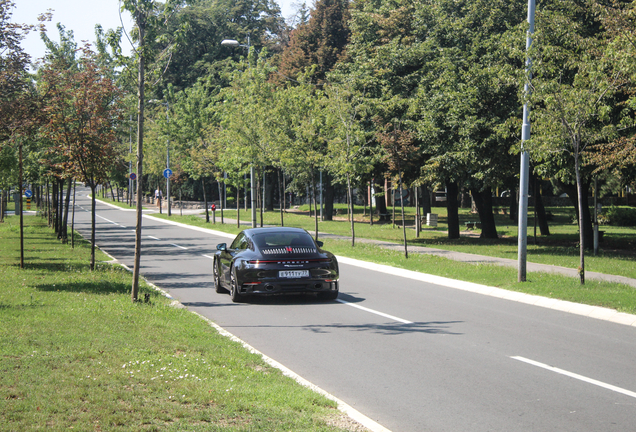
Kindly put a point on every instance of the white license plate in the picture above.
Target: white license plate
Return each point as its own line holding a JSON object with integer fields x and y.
{"x": 293, "y": 273}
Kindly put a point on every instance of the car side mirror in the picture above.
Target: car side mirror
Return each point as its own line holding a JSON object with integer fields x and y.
{"x": 320, "y": 244}
{"x": 221, "y": 247}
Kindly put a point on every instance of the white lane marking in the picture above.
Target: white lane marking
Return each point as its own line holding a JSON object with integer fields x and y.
{"x": 577, "y": 376}
{"x": 107, "y": 220}
{"x": 382, "y": 314}
{"x": 177, "y": 246}
{"x": 154, "y": 238}
{"x": 208, "y": 256}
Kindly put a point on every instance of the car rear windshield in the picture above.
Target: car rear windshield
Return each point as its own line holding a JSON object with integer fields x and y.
{"x": 274, "y": 239}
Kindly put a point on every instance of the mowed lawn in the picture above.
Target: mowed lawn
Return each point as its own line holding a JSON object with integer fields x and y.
{"x": 76, "y": 353}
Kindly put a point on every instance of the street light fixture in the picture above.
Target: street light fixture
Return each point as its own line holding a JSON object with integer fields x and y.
{"x": 235, "y": 43}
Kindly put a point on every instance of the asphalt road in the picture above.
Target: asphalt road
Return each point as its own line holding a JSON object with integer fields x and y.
{"x": 410, "y": 355}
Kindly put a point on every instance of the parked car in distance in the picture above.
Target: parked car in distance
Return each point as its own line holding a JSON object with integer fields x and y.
{"x": 275, "y": 260}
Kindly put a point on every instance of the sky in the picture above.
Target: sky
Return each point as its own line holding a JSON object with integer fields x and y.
{"x": 81, "y": 16}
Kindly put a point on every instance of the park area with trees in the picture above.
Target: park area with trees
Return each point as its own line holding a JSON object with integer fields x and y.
{"x": 358, "y": 102}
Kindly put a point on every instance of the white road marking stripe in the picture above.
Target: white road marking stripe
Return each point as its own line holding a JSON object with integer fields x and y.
{"x": 177, "y": 246}
{"x": 107, "y": 220}
{"x": 154, "y": 238}
{"x": 577, "y": 376}
{"x": 403, "y": 321}
{"x": 208, "y": 256}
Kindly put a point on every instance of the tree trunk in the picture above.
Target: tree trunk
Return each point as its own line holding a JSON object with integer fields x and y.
{"x": 426, "y": 201}
{"x": 73, "y": 221}
{"x": 270, "y": 178}
{"x": 238, "y": 207}
{"x": 371, "y": 202}
{"x": 483, "y": 201}
{"x": 259, "y": 198}
{"x": 140, "y": 18}
{"x": 393, "y": 205}
{"x": 66, "y": 210}
{"x": 313, "y": 187}
{"x": 573, "y": 194}
{"x": 452, "y": 207}
{"x": 418, "y": 216}
{"x": 205, "y": 201}
{"x": 48, "y": 203}
{"x": 542, "y": 218}
{"x": 406, "y": 251}
{"x": 19, "y": 204}
{"x": 281, "y": 197}
{"x": 350, "y": 193}
{"x": 582, "y": 220}
{"x": 329, "y": 196}
{"x": 93, "y": 199}
{"x": 220, "y": 200}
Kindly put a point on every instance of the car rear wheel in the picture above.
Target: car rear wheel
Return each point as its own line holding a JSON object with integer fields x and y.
{"x": 329, "y": 295}
{"x": 234, "y": 288}
{"x": 217, "y": 277}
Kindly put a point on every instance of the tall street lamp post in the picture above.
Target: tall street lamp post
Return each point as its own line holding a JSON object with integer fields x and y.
{"x": 525, "y": 158}
{"x": 234, "y": 43}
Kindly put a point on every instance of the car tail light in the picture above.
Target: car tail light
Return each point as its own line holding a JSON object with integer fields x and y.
{"x": 288, "y": 261}
{"x": 252, "y": 283}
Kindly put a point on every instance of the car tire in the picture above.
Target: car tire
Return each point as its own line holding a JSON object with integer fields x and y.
{"x": 329, "y": 295}
{"x": 236, "y": 297}
{"x": 217, "y": 277}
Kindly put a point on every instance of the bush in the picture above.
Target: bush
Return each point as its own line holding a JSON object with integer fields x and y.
{"x": 618, "y": 216}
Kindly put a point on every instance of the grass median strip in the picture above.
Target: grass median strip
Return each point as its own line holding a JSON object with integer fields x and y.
{"x": 76, "y": 353}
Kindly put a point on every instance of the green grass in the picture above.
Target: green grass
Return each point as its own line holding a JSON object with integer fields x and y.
{"x": 77, "y": 353}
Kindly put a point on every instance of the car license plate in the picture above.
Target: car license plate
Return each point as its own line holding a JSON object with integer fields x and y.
{"x": 293, "y": 273}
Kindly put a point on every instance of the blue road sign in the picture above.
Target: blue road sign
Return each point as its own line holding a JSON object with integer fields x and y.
{"x": 133, "y": 176}
{"x": 167, "y": 173}
{"x": 28, "y": 193}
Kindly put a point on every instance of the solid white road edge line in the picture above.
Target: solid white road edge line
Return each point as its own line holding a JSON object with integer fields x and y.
{"x": 382, "y": 314}
{"x": 597, "y": 312}
{"x": 342, "y": 406}
{"x": 577, "y": 376}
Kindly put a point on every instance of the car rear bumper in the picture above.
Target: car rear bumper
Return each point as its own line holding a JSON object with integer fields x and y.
{"x": 289, "y": 286}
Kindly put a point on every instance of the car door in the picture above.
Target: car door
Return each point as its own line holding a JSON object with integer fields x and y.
{"x": 227, "y": 256}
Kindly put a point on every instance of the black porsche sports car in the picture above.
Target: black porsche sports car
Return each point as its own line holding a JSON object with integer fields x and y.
{"x": 275, "y": 260}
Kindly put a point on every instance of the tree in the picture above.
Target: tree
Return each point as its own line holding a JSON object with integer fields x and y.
{"x": 200, "y": 26}
{"x": 82, "y": 108}
{"x": 19, "y": 105}
{"x": 148, "y": 21}
{"x": 573, "y": 89}
{"x": 399, "y": 148}
{"x": 349, "y": 151}
{"x": 319, "y": 43}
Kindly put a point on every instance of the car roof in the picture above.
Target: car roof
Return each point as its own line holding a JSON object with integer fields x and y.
{"x": 256, "y": 231}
